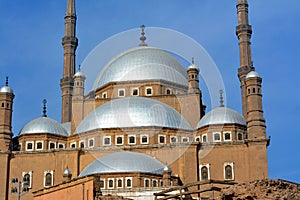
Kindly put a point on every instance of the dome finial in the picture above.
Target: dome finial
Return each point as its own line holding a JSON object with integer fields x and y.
{"x": 44, "y": 108}
{"x": 6, "y": 81}
{"x": 143, "y": 38}
{"x": 193, "y": 60}
{"x": 221, "y": 98}
{"x": 79, "y": 67}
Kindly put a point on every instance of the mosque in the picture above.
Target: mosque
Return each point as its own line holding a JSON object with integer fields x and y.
{"x": 143, "y": 130}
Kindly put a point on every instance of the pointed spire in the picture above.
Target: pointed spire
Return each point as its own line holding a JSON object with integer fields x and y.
{"x": 6, "y": 81}
{"x": 44, "y": 108}
{"x": 71, "y": 8}
{"x": 221, "y": 98}
{"x": 143, "y": 38}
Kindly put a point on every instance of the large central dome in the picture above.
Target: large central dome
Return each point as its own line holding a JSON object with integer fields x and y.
{"x": 133, "y": 112}
{"x": 142, "y": 63}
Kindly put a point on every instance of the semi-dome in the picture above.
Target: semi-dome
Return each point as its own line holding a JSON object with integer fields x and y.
{"x": 221, "y": 115}
{"x": 43, "y": 125}
{"x": 252, "y": 74}
{"x": 6, "y": 89}
{"x": 142, "y": 63}
{"x": 133, "y": 112}
{"x": 124, "y": 162}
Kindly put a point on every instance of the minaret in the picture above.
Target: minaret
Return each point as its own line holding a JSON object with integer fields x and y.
{"x": 256, "y": 124}
{"x": 244, "y": 32}
{"x": 193, "y": 78}
{"x": 6, "y": 105}
{"x": 70, "y": 43}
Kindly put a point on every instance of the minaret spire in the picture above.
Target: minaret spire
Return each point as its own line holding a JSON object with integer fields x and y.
{"x": 244, "y": 32}
{"x": 44, "y": 108}
{"x": 143, "y": 37}
{"x": 70, "y": 43}
{"x": 221, "y": 98}
{"x": 71, "y": 11}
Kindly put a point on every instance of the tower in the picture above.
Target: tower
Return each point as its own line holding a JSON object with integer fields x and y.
{"x": 244, "y": 32}
{"x": 6, "y": 101}
{"x": 256, "y": 126}
{"x": 70, "y": 43}
{"x": 193, "y": 78}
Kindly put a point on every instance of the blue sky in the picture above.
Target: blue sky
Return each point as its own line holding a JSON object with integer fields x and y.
{"x": 32, "y": 55}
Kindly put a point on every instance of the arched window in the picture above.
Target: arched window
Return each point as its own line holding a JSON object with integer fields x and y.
{"x": 111, "y": 183}
{"x": 147, "y": 183}
{"x": 52, "y": 145}
{"x": 253, "y": 90}
{"x": 48, "y": 180}
{"x": 29, "y": 146}
{"x": 131, "y": 139}
{"x": 120, "y": 183}
{"x": 240, "y": 136}
{"x": 204, "y": 173}
{"x": 119, "y": 140}
{"x": 39, "y": 145}
{"x": 26, "y": 180}
{"x": 128, "y": 183}
{"x": 227, "y": 136}
{"x": 204, "y": 138}
{"x": 154, "y": 183}
{"x": 228, "y": 172}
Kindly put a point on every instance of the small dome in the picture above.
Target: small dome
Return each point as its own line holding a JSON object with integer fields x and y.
{"x": 221, "y": 115}
{"x": 252, "y": 74}
{"x": 43, "y": 125}
{"x": 122, "y": 162}
{"x": 193, "y": 66}
{"x": 133, "y": 112}
{"x": 67, "y": 171}
{"x": 167, "y": 168}
{"x": 6, "y": 89}
{"x": 142, "y": 63}
{"x": 79, "y": 74}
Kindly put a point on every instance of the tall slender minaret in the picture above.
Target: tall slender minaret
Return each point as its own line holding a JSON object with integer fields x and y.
{"x": 70, "y": 43}
{"x": 6, "y": 105}
{"x": 244, "y": 32}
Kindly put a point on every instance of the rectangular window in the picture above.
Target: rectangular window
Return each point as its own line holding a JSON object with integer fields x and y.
{"x": 154, "y": 183}
{"x": 185, "y": 139}
{"x": 119, "y": 140}
{"x": 161, "y": 139}
{"x": 131, "y": 139}
{"x": 121, "y": 92}
{"x": 107, "y": 140}
{"x": 144, "y": 139}
{"x": 135, "y": 92}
